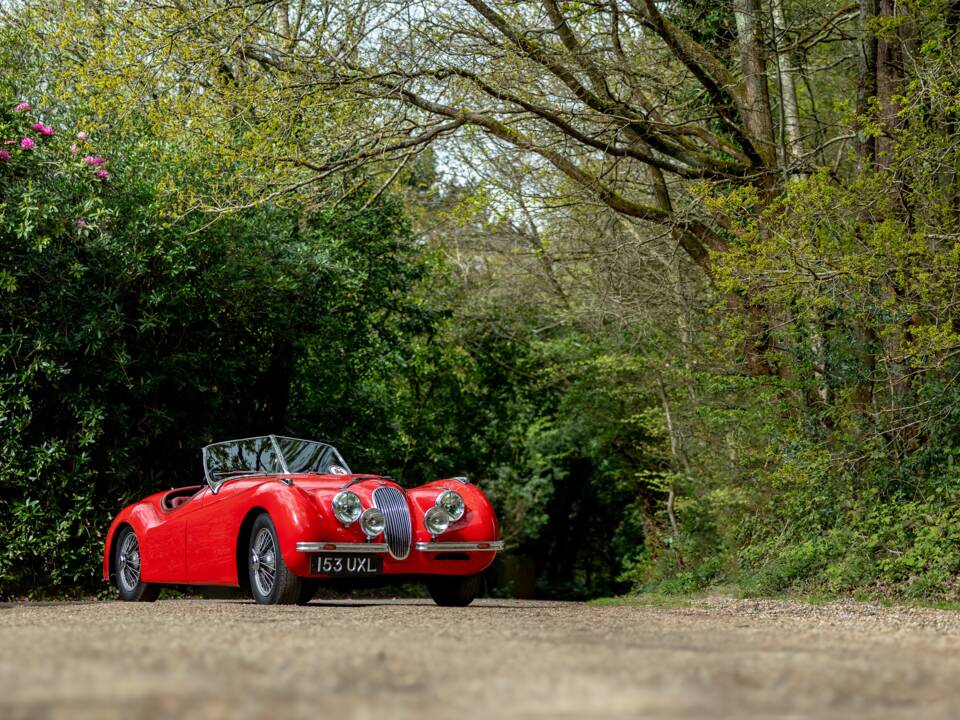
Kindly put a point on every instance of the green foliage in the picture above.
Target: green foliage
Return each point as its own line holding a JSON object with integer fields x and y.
{"x": 129, "y": 339}
{"x": 849, "y": 483}
{"x": 785, "y": 422}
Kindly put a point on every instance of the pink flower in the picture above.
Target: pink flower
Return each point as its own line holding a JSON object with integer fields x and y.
{"x": 4, "y": 155}
{"x": 74, "y": 149}
{"x": 27, "y": 143}
{"x": 102, "y": 175}
{"x": 44, "y": 130}
{"x": 94, "y": 160}
{"x": 82, "y": 223}
{"x": 23, "y": 107}
{"x": 81, "y": 136}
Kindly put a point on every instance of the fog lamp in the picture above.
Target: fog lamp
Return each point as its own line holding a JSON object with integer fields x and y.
{"x": 437, "y": 520}
{"x": 372, "y": 522}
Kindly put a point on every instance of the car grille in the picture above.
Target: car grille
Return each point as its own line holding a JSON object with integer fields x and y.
{"x": 397, "y": 531}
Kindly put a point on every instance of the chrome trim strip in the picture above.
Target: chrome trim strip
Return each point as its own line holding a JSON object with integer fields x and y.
{"x": 492, "y": 546}
{"x": 320, "y": 547}
{"x": 283, "y": 462}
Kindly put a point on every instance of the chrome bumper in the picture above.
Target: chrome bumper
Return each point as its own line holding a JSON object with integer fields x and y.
{"x": 322, "y": 547}
{"x": 489, "y": 546}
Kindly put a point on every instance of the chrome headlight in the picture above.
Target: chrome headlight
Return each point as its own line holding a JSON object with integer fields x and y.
{"x": 372, "y": 522}
{"x": 437, "y": 520}
{"x": 452, "y": 503}
{"x": 346, "y": 507}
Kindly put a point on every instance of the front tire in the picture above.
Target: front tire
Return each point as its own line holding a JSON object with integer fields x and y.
{"x": 126, "y": 564}
{"x": 271, "y": 582}
{"x": 454, "y": 590}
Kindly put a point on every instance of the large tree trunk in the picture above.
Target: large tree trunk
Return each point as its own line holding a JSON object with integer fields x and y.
{"x": 753, "y": 66}
{"x": 889, "y": 75}
{"x": 867, "y": 80}
{"x": 786, "y": 76}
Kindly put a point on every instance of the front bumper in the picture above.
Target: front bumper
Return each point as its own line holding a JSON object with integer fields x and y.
{"x": 453, "y": 546}
{"x": 316, "y": 547}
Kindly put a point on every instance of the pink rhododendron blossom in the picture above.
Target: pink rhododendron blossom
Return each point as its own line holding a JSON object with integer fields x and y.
{"x": 27, "y": 144}
{"x": 81, "y": 136}
{"x": 82, "y": 223}
{"x": 94, "y": 160}
{"x": 4, "y": 155}
{"x": 38, "y": 126}
{"x": 102, "y": 175}
{"x": 47, "y": 131}
{"x": 74, "y": 149}
{"x": 23, "y": 107}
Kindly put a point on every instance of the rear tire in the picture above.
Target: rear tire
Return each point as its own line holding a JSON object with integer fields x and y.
{"x": 126, "y": 569}
{"x": 454, "y": 590}
{"x": 271, "y": 582}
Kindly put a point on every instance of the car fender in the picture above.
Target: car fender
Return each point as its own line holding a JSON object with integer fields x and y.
{"x": 295, "y": 515}
{"x": 479, "y": 522}
{"x": 137, "y": 516}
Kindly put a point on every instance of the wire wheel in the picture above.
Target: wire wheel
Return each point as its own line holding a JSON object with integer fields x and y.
{"x": 128, "y": 563}
{"x": 263, "y": 561}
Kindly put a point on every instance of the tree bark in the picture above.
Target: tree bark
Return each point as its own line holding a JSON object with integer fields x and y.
{"x": 866, "y": 80}
{"x": 889, "y": 74}
{"x": 753, "y": 66}
{"x": 786, "y": 75}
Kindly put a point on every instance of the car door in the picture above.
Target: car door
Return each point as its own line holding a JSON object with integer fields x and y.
{"x": 211, "y": 535}
{"x": 164, "y": 543}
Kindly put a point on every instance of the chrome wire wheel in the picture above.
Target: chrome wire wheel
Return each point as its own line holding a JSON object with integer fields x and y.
{"x": 263, "y": 560}
{"x": 128, "y": 563}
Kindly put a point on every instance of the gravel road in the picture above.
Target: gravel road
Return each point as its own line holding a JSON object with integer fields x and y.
{"x": 390, "y": 660}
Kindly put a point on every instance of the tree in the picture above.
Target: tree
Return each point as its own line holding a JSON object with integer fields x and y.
{"x": 619, "y": 96}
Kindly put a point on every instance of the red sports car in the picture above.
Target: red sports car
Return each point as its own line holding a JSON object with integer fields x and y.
{"x": 279, "y": 515}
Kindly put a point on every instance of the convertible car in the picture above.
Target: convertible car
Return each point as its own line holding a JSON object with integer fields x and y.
{"x": 278, "y": 516}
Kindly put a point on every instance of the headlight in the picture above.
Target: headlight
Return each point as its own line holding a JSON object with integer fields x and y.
{"x": 372, "y": 522}
{"x": 452, "y": 503}
{"x": 436, "y": 519}
{"x": 346, "y": 507}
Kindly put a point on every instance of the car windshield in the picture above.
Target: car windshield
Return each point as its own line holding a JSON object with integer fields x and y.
{"x": 269, "y": 455}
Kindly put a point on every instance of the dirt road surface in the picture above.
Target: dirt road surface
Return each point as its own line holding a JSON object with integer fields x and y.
{"x": 392, "y": 660}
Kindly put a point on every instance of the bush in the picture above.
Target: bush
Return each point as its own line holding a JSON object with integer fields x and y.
{"x": 129, "y": 338}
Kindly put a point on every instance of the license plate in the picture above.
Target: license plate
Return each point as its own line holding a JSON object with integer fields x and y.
{"x": 340, "y": 564}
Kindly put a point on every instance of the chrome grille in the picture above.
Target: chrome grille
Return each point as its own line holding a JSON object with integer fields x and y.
{"x": 397, "y": 531}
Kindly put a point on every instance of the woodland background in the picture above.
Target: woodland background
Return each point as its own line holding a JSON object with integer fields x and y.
{"x": 676, "y": 282}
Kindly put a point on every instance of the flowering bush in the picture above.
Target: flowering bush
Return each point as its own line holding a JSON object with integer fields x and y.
{"x": 20, "y": 136}
{"x": 49, "y": 202}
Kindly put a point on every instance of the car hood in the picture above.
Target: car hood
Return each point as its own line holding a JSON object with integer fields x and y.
{"x": 361, "y": 484}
